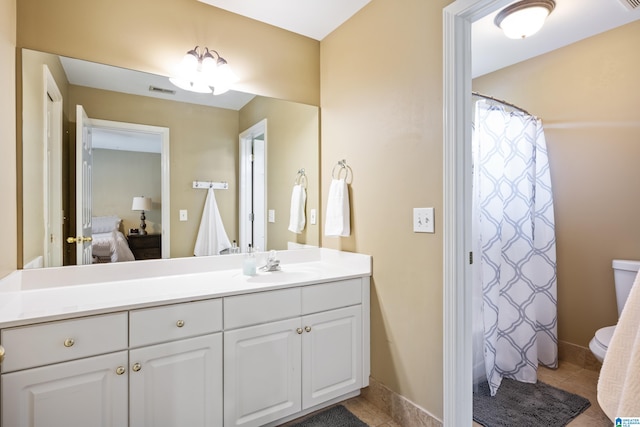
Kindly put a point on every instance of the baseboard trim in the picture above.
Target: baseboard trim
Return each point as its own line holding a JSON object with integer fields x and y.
{"x": 399, "y": 408}
{"x": 578, "y": 355}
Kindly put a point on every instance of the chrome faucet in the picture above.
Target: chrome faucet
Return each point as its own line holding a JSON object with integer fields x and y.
{"x": 272, "y": 264}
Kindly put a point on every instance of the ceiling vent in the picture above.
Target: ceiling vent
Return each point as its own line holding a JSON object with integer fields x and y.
{"x": 161, "y": 90}
{"x": 631, "y": 4}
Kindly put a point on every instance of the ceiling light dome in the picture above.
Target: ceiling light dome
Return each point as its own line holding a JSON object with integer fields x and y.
{"x": 524, "y": 18}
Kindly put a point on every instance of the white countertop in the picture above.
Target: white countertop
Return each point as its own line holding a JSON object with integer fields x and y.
{"x": 28, "y": 296}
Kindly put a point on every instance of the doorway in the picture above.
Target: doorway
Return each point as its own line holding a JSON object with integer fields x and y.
{"x": 457, "y": 390}
{"x": 253, "y": 187}
{"x": 120, "y": 136}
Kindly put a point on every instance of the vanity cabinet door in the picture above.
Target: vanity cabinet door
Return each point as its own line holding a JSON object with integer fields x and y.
{"x": 177, "y": 384}
{"x": 84, "y": 392}
{"x": 262, "y": 373}
{"x": 331, "y": 355}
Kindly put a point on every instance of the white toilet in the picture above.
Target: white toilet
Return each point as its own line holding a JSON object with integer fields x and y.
{"x": 624, "y": 273}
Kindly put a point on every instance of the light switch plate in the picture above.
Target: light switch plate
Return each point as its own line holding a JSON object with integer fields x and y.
{"x": 272, "y": 215}
{"x": 312, "y": 217}
{"x": 183, "y": 214}
{"x": 423, "y": 220}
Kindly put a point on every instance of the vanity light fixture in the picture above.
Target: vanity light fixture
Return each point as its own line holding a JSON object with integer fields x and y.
{"x": 141, "y": 204}
{"x": 204, "y": 71}
{"x": 524, "y": 18}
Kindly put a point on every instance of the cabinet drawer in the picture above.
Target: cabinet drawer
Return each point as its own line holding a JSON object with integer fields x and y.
{"x": 167, "y": 323}
{"x": 54, "y": 342}
{"x": 328, "y": 296}
{"x": 261, "y": 307}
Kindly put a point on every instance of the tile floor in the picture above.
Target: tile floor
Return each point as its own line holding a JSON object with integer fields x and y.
{"x": 568, "y": 377}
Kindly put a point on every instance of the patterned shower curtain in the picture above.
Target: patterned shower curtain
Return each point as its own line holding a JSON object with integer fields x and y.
{"x": 515, "y": 248}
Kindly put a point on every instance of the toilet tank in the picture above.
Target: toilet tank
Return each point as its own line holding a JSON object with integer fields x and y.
{"x": 624, "y": 274}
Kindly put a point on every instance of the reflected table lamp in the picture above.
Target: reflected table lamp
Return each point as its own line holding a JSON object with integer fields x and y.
{"x": 141, "y": 204}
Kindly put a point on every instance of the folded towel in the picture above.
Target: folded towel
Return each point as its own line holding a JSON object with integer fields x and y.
{"x": 297, "y": 219}
{"x": 212, "y": 238}
{"x": 619, "y": 382}
{"x": 338, "y": 222}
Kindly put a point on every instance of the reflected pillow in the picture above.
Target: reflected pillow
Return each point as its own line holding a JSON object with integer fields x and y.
{"x": 105, "y": 224}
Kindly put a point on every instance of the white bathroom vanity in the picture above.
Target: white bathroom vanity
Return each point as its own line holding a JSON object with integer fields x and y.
{"x": 183, "y": 342}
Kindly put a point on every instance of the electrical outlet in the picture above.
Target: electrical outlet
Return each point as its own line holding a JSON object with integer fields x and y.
{"x": 313, "y": 217}
{"x": 183, "y": 214}
{"x": 423, "y": 220}
{"x": 272, "y": 215}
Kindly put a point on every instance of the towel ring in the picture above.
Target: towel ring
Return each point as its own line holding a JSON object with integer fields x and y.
{"x": 301, "y": 177}
{"x": 342, "y": 164}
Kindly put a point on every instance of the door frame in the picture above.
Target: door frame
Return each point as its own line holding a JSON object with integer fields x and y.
{"x": 457, "y": 108}
{"x": 52, "y": 136}
{"x": 249, "y": 187}
{"x": 165, "y": 179}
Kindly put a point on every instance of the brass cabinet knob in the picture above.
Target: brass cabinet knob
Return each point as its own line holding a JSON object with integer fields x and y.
{"x": 180, "y": 323}
{"x": 1, "y": 353}
{"x": 307, "y": 328}
{"x": 136, "y": 367}
{"x": 69, "y": 342}
{"x": 120, "y": 370}
{"x": 299, "y": 330}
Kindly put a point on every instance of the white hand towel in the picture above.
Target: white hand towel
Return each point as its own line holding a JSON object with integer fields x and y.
{"x": 338, "y": 222}
{"x": 297, "y": 219}
{"x": 619, "y": 382}
{"x": 212, "y": 238}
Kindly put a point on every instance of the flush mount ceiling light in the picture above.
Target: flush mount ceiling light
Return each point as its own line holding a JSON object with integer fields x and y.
{"x": 524, "y": 18}
{"x": 204, "y": 71}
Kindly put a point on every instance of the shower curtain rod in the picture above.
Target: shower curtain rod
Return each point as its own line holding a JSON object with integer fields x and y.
{"x": 502, "y": 102}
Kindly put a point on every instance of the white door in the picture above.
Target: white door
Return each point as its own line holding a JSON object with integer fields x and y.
{"x": 253, "y": 187}
{"x": 85, "y": 392}
{"x": 53, "y": 173}
{"x": 261, "y": 373}
{"x": 177, "y": 384}
{"x": 84, "y": 164}
{"x": 331, "y": 355}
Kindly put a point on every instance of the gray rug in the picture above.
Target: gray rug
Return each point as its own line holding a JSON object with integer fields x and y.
{"x": 526, "y": 405}
{"x": 336, "y": 416}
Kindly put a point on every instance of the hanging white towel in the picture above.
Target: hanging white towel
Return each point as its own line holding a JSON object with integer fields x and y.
{"x": 338, "y": 222}
{"x": 212, "y": 238}
{"x": 619, "y": 382}
{"x": 297, "y": 219}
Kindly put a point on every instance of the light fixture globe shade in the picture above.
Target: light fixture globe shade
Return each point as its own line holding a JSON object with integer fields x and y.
{"x": 190, "y": 85}
{"x": 524, "y": 19}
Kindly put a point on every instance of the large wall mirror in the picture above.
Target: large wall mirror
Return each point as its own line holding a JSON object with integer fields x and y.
{"x": 152, "y": 139}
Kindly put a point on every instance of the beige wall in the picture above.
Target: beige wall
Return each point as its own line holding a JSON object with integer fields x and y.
{"x": 8, "y": 218}
{"x": 587, "y": 95}
{"x": 153, "y": 35}
{"x": 381, "y": 100}
{"x": 203, "y": 146}
{"x": 118, "y": 176}
{"x": 292, "y": 144}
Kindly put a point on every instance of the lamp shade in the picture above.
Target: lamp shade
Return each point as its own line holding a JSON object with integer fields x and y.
{"x": 141, "y": 204}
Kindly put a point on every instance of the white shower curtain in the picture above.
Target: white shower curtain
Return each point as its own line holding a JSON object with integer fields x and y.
{"x": 514, "y": 266}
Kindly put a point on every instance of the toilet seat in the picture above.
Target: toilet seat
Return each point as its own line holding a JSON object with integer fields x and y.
{"x": 600, "y": 342}
{"x": 603, "y": 336}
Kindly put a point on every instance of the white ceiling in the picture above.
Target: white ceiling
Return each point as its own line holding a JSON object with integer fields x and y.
{"x": 311, "y": 18}
{"x": 571, "y": 21}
